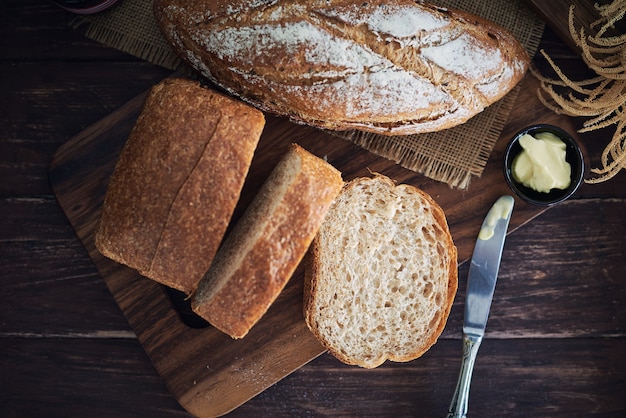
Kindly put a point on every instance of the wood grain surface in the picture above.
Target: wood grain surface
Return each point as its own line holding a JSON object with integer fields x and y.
{"x": 555, "y": 339}
{"x": 209, "y": 373}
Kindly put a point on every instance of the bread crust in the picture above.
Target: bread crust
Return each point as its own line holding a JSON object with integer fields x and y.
{"x": 394, "y": 67}
{"x": 313, "y": 305}
{"x": 266, "y": 245}
{"x": 169, "y": 200}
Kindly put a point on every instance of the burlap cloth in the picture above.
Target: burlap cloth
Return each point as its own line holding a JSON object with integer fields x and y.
{"x": 452, "y": 156}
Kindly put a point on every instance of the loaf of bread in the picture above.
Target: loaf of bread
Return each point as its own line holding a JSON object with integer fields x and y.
{"x": 393, "y": 67}
{"x": 381, "y": 274}
{"x": 177, "y": 182}
{"x": 266, "y": 245}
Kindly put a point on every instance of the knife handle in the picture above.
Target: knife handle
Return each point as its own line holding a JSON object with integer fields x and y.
{"x": 458, "y": 406}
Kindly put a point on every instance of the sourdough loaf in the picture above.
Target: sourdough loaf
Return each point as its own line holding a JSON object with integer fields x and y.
{"x": 266, "y": 245}
{"x": 381, "y": 274}
{"x": 177, "y": 181}
{"x": 393, "y": 67}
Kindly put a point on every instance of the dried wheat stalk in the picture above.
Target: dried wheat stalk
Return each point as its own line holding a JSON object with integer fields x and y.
{"x": 602, "y": 98}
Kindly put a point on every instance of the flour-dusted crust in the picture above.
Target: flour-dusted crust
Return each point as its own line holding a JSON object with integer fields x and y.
{"x": 381, "y": 274}
{"x": 266, "y": 245}
{"x": 177, "y": 182}
{"x": 392, "y": 67}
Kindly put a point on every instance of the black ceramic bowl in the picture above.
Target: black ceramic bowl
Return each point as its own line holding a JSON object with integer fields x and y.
{"x": 573, "y": 155}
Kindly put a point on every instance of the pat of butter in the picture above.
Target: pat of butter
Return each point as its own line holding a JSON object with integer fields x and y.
{"x": 541, "y": 165}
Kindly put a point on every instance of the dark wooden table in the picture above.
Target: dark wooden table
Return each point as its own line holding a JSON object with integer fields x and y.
{"x": 555, "y": 341}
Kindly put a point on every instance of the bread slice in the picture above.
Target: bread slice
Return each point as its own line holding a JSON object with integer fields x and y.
{"x": 177, "y": 182}
{"x": 266, "y": 245}
{"x": 381, "y": 274}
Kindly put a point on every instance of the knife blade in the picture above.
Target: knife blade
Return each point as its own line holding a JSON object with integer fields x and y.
{"x": 481, "y": 284}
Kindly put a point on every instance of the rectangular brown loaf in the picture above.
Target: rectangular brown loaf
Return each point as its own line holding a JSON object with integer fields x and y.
{"x": 177, "y": 182}
{"x": 388, "y": 66}
{"x": 266, "y": 245}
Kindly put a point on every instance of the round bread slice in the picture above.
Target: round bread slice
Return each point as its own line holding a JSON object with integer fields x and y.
{"x": 381, "y": 274}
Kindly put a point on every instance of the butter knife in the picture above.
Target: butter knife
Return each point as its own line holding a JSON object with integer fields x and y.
{"x": 481, "y": 283}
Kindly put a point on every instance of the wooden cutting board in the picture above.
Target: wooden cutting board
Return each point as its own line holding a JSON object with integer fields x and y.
{"x": 209, "y": 373}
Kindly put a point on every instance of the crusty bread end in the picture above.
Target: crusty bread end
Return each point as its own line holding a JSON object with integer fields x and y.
{"x": 266, "y": 245}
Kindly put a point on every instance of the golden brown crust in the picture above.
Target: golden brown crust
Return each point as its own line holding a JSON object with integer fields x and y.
{"x": 453, "y": 273}
{"x": 267, "y": 244}
{"x": 348, "y": 64}
{"x": 177, "y": 182}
